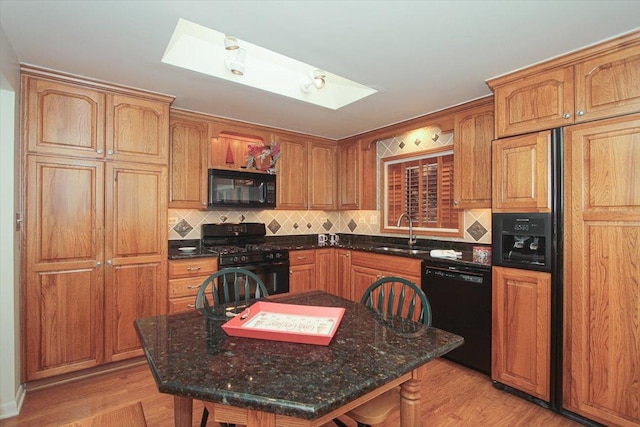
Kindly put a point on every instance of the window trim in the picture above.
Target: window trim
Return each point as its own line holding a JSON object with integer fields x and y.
{"x": 418, "y": 231}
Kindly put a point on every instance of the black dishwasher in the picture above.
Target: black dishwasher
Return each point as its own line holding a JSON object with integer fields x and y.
{"x": 460, "y": 299}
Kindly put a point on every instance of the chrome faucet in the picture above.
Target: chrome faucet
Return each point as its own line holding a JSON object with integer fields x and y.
{"x": 412, "y": 238}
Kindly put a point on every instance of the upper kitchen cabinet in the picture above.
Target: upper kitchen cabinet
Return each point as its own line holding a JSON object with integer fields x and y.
{"x": 112, "y": 123}
{"x": 599, "y": 82}
{"x": 522, "y": 174}
{"x": 188, "y": 161}
{"x": 473, "y": 133}
{"x": 357, "y": 175}
{"x": 306, "y": 173}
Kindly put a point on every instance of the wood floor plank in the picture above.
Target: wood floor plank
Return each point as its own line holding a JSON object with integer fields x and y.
{"x": 452, "y": 396}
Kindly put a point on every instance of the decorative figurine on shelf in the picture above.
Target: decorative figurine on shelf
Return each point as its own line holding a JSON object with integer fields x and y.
{"x": 263, "y": 157}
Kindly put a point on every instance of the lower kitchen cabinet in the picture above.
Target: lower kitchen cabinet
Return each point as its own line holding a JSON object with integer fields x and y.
{"x": 302, "y": 270}
{"x": 185, "y": 278}
{"x": 343, "y": 272}
{"x": 367, "y": 267}
{"x": 521, "y": 330}
{"x": 325, "y": 270}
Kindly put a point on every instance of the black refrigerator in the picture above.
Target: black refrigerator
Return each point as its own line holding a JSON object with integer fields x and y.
{"x": 534, "y": 241}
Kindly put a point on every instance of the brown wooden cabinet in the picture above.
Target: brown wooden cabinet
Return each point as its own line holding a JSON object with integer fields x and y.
{"x": 595, "y": 83}
{"x": 188, "y": 161}
{"x": 302, "y": 270}
{"x": 230, "y": 144}
{"x": 473, "y": 133}
{"x": 343, "y": 273}
{"x": 602, "y": 267}
{"x": 368, "y": 267}
{"x": 322, "y": 177}
{"x": 357, "y": 175}
{"x": 95, "y": 231}
{"x": 521, "y": 330}
{"x": 326, "y": 271}
{"x": 306, "y": 174}
{"x": 185, "y": 278}
{"x": 521, "y": 173}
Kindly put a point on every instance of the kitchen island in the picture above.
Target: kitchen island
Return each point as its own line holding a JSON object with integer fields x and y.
{"x": 271, "y": 383}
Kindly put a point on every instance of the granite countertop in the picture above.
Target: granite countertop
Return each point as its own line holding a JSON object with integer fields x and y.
{"x": 190, "y": 355}
{"x": 365, "y": 243}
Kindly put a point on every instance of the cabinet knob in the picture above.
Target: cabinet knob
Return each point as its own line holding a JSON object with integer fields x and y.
{"x": 98, "y": 264}
{"x": 579, "y": 113}
{"x": 566, "y": 116}
{"x": 109, "y": 262}
{"x": 110, "y": 152}
{"x": 455, "y": 202}
{"x": 99, "y": 150}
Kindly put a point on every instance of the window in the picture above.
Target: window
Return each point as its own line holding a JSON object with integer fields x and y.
{"x": 422, "y": 186}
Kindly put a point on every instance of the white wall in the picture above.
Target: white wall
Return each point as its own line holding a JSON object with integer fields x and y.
{"x": 11, "y": 391}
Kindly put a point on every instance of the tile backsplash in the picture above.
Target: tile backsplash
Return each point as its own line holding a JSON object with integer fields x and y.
{"x": 185, "y": 224}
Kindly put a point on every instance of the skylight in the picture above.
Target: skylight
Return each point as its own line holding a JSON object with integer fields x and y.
{"x": 202, "y": 49}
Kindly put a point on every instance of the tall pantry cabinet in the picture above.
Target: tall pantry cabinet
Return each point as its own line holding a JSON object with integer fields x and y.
{"x": 95, "y": 197}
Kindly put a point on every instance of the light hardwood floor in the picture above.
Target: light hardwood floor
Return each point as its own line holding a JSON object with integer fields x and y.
{"x": 454, "y": 396}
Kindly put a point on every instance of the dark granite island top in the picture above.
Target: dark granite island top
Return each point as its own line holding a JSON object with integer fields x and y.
{"x": 192, "y": 357}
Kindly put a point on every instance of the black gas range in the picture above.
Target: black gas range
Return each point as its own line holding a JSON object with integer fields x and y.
{"x": 240, "y": 244}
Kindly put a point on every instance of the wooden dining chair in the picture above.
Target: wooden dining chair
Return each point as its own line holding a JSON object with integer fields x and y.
{"x": 234, "y": 288}
{"x": 393, "y": 296}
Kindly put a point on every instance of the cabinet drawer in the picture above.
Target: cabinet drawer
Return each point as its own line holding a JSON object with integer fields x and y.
{"x": 302, "y": 257}
{"x": 398, "y": 265}
{"x": 185, "y": 287}
{"x": 192, "y": 267}
{"x": 179, "y": 305}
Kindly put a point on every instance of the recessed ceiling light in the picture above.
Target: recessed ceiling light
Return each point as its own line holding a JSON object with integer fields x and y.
{"x": 204, "y": 50}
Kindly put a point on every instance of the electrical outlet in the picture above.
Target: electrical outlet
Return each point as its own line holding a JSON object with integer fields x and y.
{"x": 362, "y": 221}
{"x": 373, "y": 220}
{"x": 323, "y": 220}
{"x": 173, "y": 220}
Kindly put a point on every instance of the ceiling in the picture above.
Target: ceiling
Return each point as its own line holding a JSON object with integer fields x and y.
{"x": 421, "y": 56}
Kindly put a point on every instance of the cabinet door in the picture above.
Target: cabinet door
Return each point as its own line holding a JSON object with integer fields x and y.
{"x": 542, "y": 101}
{"x": 522, "y": 174}
{"x": 322, "y": 176}
{"x": 302, "y": 277}
{"x": 343, "y": 273}
{"x": 361, "y": 278}
{"x": 229, "y": 150}
{"x": 137, "y": 129}
{"x": 521, "y": 327}
{"x": 188, "y": 164}
{"x": 63, "y": 119}
{"x": 326, "y": 271}
{"x": 608, "y": 85}
{"x": 602, "y": 267}
{"x": 472, "y": 158}
{"x": 292, "y": 174}
{"x": 64, "y": 279}
{"x": 349, "y": 169}
{"x": 136, "y": 252}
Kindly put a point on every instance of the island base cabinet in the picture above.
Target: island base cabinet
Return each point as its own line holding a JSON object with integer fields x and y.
{"x": 521, "y": 330}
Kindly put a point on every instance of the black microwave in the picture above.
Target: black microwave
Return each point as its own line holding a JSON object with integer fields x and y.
{"x": 232, "y": 188}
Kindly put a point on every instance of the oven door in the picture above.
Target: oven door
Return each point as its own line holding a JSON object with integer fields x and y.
{"x": 274, "y": 275}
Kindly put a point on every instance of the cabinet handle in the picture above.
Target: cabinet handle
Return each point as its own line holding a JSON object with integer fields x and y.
{"x": 566, "y": 116}
{"x": 191, "y": 306}
{"x": 193, "y": 268}
{"x": 579, "y": 113}
{"x": 193, "y": 286}
{"x": 301, "y": 257}
{"x": 290, "y": 271}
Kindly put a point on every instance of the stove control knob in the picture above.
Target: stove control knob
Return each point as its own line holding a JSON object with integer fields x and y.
{"x": 235, "y": 259}
{"x": 244, "y": 258}
{"x": 270, "y": 256}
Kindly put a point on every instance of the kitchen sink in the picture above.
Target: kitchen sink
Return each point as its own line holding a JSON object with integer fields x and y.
{"x": 403, "y": 250}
